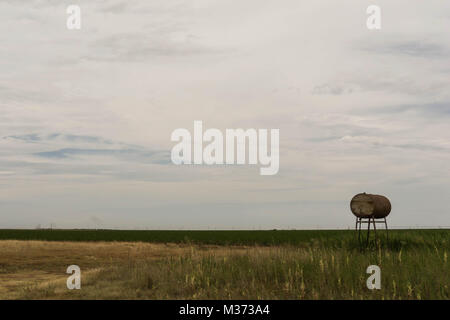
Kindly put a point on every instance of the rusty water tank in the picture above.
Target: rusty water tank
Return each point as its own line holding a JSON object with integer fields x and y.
{"x": 365, "y": 205}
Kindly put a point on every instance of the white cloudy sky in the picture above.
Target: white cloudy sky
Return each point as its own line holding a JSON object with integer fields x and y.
{"x": 86, "y": 115}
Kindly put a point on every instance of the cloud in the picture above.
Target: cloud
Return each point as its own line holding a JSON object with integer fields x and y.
{"x": 412, "y": 48}
{"x": 34, "y": 137}
{"x": 116, "y": 8}
{"x": 78, "y": 155}
{"x": 329, "y": 89}
{"x": 158, "y": 157}
{"x": 10, "y": 94}
{"x": 143, "y": 46}
{"x": 431, "y": 109}
{"x": 27, "y": 137}
{"x": 384, "y": 142}
{"x": 123, "y": 151}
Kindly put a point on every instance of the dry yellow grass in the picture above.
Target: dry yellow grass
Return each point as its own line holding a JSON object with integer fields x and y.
{"x": 27, "y": 266}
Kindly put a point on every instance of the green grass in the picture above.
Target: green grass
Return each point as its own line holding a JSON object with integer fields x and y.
{"x": 290, "y": 273}
{"x": 328, "y": 238}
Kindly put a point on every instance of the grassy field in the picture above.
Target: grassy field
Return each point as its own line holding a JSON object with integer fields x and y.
{"x": 202, "y": 237}
{"x": 222, "y": 264}
{"x": 328, "y": 238}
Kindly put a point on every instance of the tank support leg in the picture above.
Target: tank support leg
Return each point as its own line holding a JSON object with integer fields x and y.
{"x": 387, "y": 230}
{"x": 359, "y": 229}
{"x": 375, "y": 229}
{"x": 370, "y": 221}
{"x": 368, "y": 231}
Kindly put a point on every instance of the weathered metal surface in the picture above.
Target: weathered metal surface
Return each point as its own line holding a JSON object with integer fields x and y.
{"x": 365, "y": 205}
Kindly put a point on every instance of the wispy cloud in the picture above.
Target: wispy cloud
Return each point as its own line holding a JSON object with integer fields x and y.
{"x": 412, "y": 48}
{"x": 331, "y": 89}
{"x": 432, "y": 109}
{"x": 77, "y": 155}
{"x": 158, "y": 157}
{"x": 35, "y": 137}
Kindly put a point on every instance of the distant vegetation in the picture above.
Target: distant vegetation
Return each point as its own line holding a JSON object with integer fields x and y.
{"x": 328, "y": 238}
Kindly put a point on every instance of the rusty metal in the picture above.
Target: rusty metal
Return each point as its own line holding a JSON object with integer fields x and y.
{"x": 365, "y": 205}
{"x": 370, "y": 209}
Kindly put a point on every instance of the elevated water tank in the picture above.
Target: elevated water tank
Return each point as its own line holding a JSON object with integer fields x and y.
{"x": 365, "y": 205}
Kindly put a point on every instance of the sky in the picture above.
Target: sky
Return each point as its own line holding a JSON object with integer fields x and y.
{"x": 86, "y": 115}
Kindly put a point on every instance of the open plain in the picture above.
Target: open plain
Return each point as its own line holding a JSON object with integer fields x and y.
{"x": 222, "y": 265}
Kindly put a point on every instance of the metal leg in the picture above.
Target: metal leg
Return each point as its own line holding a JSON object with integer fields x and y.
{"x": 359, "y": 230}
{"x": 370, "y": 221}
{"x": 387, "y": 230}
{"x": 375, "y": 229}
{"x": 368, "y": 231}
